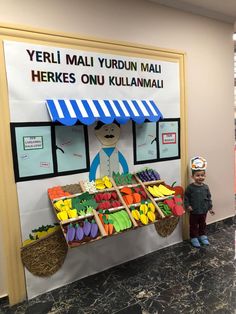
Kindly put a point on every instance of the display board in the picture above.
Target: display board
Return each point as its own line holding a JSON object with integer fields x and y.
{"x": 155, "y": 142}
{"x": 41, "y": 66}
{"x": 43, "y": 150}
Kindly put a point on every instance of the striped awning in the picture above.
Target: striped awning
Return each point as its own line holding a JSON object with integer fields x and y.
{"x": 87, "y": 111}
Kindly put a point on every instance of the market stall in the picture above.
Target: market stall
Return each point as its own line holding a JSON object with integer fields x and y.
{"x": 96, "y": 135}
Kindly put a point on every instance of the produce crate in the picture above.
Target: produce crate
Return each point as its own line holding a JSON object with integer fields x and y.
{"x": 63, "y": 202}
{"x": 100, "y": 184}
{"x": 69, "y": 209}
{"x": 116, "y": 220}
{"x": 128, "y": 179}
{"x": 107, "y": 199}
{"x": 124, "y": 206}
{"x": 145, "y": 183}
{"x": 57, "y": 192}
{"x": 86, "y": 230}
{"x": 148, "y": 175}
{"x": 145, "y": 214}
{"x": 165, "y": 209}
{"x": 112, "y": 201}
{"x": 158, "y": 191}
{"x": 135, "y": 196}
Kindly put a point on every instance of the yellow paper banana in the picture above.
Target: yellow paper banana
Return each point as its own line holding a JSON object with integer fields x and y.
{"x": 151, "y": 190}
{"x": 164, "y": 190}
{"x": 158, "y": 192}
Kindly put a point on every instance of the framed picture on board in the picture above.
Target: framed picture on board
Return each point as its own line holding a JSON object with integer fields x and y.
{"x": 42, "y": 150}
{"x": 169, "y": 139}
{"x": 144, "y": 142}
{"x": 156, "y": 141}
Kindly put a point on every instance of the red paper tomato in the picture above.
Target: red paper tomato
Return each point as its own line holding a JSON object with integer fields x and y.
{"x": 179, "y": 190}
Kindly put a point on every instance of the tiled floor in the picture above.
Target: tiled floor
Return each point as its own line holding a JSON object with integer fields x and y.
{"x": 178, "y": 279}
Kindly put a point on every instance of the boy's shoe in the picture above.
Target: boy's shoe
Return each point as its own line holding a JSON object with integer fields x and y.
{"x": 204, "y": 240}
{"x": 195, "y": 242}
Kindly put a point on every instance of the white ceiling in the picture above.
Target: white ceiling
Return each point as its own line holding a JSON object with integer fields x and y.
{"x": 223, "y": 10}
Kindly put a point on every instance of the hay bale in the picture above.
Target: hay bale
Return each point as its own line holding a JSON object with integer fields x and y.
{"x": 45, "y": 256}
{"x": 166, "y": 226}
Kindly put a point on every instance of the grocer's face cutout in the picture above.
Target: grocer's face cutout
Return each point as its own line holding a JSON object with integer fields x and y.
{"x": 108, "y": 134}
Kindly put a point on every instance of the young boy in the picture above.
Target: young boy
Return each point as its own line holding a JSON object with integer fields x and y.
{"x": 197, "y": 200}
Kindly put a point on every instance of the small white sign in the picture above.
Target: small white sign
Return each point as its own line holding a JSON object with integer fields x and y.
{"x": 44, "y": 164}
{"x": 32, "y": 142}
{"x": 169, "y": 138}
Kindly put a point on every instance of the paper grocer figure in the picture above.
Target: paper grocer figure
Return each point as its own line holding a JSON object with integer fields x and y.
{"x": 109, "y": 159}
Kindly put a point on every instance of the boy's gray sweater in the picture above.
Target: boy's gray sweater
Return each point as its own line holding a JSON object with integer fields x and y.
{"x": 198, "y": 197}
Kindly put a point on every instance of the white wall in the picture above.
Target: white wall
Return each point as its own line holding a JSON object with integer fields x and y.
{"x": 209, "y": 67}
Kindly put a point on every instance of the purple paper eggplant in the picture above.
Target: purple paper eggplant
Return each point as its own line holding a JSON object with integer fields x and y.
{"x": 94, "y": 229}
{"x": 154, "y": 174}
{"x": 79, "y": 233}
{"x": 87, "y": 227}
{"x": 148, "y": 175}
{"x": 70, "y": 234}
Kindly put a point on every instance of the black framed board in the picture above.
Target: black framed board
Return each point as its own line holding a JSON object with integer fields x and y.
{"x": 43, "y": 150}
{"x": 156, "y": 141}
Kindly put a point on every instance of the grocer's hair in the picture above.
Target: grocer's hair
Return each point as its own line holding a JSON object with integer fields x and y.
{"x": 101, "y": 124}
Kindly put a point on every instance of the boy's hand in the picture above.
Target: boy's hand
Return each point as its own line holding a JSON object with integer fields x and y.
{"x": 190, "y": 209}
{"x": 211, "y": 211}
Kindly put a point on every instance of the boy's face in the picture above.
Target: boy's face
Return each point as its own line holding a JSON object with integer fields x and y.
{"x": 199, "y": 176}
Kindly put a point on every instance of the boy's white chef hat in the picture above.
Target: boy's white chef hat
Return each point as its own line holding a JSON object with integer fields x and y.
{"x": 198, "y": 163}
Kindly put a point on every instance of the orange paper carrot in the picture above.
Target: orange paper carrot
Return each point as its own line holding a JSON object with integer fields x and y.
{"x": 110, "y": 226}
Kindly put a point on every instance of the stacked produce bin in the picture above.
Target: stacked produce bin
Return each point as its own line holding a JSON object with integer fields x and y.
{"x": 90, "y": 211}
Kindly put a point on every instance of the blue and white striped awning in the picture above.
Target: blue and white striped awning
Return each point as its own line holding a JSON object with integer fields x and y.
{"x": 69, "y": 111}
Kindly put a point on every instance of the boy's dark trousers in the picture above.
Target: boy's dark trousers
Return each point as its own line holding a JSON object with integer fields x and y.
{"x": 197, "y": 224}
